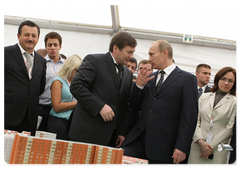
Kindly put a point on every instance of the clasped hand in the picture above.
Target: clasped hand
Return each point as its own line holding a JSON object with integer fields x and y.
{"x": 206, "y": 149}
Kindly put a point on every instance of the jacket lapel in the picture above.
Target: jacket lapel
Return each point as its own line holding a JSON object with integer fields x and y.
{"x": 125, "y": 78}
{"x": 171, "y": 78}
{"x": 35, "y": 61}
{"x": 18, "y": 57}
{"x": 211, "y": 100}
{"x": 111, "y": 68}
{"x": 222, "y": 101}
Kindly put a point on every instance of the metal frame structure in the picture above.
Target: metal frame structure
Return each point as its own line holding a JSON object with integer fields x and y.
{"x": 116, "y": 27}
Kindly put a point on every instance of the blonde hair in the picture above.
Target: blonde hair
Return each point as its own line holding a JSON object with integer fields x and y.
{"x": 73, "y": 62}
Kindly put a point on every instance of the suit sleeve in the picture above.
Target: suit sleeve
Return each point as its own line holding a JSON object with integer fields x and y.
{"x": 227, "y": 132}
{"x": 189, "y": 114}
{"x": 126, "y": 117}
{"x": 43, "y": 78}
{"x": 136, "y": 98}
{"x": 81, "y": 85}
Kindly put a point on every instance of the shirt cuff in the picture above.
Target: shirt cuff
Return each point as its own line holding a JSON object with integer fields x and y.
{"x": 140, "y": 87}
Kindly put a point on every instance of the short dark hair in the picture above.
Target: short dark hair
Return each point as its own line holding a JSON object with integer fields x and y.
{"x": 122, "y": 39}
{"x": 144, "y": 62}
{"x": 53, "y": 35}
{"x": 221, "y": 73}
{"x": 30, "y": 24}
{"x": 133, "y": 60}
{"x": 202, "y": 65}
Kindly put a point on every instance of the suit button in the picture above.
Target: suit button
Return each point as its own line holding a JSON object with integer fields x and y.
{"x": 150, "y": 111}
{"x": 154, "y": 98}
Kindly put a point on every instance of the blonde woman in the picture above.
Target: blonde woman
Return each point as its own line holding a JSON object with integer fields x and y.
{"x": 63, "y": 101}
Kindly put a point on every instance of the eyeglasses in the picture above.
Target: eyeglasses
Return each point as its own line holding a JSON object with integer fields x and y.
{"x": 226, "y": 80}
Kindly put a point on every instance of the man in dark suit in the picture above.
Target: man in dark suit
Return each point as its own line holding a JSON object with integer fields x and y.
{"x": 168, "y": 105}
{"x": 24, "y": 73}
{"x": 102, "y": 91}
{"x": 203, "y": 74}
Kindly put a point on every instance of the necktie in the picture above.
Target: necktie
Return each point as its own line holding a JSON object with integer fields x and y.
{"x": 200, "y": 91}
{"x": 28, "y": 63}
{"x": 160, "y": 81}
{"x": 120, "y": 70}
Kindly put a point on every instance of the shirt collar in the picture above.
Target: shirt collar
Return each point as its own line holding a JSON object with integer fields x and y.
{"x": 23, "y": 51}
{"x": 48, "y": 59}
{"x": 169, "y": 69}
{"x": 203, "y": 87}
{"x": 113, "y": 59}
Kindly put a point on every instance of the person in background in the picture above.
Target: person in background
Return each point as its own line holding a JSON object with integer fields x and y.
{"x": 102, "y": 86}
{"x": 133, "y": 118}
{"x": 24, "y": 80}
{"x": 203, "y": 73}
{"x": 63, "y": 101}
{"x": 132, "y": 66}
{"x": 144, "y": 64}
{"x": 168, "y": 105}
{"x": 42, "y": 52}
{"x": 53, "y": 44}
{"x": 216, "y": 116}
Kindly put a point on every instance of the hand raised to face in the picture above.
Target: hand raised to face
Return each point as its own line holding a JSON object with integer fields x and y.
{"x": 143, "y": 75}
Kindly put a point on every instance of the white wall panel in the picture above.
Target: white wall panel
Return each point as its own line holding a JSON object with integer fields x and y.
{"x": 186, "y": 56}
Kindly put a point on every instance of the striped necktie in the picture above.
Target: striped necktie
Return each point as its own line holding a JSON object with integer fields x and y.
{"x": 160, "y": 81}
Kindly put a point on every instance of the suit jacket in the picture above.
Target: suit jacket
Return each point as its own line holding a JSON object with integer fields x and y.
{"x": 169, "y": 116}
{"x": 94, "y": 85}
{"x": 22, "y": 93}
{"x": 207, "y": 89}
{"x": 223, "y": 120}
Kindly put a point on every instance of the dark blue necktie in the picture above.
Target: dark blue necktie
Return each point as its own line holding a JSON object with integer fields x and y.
{"x": 160, "y": 81}
{"x": 200, "y": 91}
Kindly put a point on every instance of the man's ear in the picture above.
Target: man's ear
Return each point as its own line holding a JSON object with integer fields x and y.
{"x": 165, "y": 52}
{"x": 18, "y": 36}
{"x": 196, "y": 74}
{"x": 115, "y": 48}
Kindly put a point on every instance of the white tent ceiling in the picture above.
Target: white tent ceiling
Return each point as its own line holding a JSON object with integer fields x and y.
{"x": 211, "y": 24}
{"x": 88, "y": 28}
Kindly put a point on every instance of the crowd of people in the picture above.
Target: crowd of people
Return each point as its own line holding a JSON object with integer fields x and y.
{"x": 167, "y": 116}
